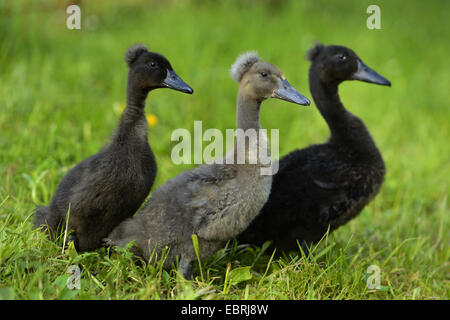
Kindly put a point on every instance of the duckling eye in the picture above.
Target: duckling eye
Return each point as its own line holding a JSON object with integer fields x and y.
{"x": 264, "y": 74}
{"x": 342, "y": 57}
{"x": 153, "y": 64}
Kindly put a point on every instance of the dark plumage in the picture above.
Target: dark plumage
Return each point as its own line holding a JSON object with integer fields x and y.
{"x": 215, "y": 201}
{"x": 108, "y": 187}
{"x": 323, "y": 185}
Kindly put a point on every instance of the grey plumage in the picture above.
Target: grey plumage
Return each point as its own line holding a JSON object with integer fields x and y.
{"x": 242, "y": 64}
{"x": 110, "y": 186}
{"x": 215, "y": 201}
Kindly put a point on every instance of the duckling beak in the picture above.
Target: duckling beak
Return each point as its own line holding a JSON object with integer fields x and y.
{"x": 288, "y": 93}
{"x": 366, "y": 74}
{"x": 173, "y": 81}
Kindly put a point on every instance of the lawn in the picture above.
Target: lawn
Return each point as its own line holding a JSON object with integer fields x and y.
{"x": 61, "y": 95}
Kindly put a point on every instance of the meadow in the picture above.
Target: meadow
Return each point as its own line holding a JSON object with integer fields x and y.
{"x": 62, "y": 92}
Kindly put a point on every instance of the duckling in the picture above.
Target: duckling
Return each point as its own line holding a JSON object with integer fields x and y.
{"x": 108, "y": 187}
{"x": 214, "y": 201}
{"x": 325, "y": 185}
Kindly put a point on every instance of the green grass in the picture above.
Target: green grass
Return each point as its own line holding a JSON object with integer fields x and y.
{"x": 59, "y": 97}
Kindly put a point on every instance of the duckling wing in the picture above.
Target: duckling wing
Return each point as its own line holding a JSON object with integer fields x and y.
{"x": 344, "y": 191}
{"x": 214, "y": 197}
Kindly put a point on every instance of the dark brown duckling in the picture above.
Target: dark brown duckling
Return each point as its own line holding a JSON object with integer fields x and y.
{"x": 110, "y": 186}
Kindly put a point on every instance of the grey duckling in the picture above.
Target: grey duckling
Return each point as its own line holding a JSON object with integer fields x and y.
{"x": 110, "y": 186}
{"x": 325, "y": 185}
{"x": 214, "y": 201}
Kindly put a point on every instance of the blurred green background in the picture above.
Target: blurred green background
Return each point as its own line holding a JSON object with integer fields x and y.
{"x": 61, "y": 94}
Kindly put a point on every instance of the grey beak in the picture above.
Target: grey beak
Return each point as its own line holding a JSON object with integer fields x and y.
{"x": 288, "y": 93}
{"x": 173, "y": 81}
{"x": 364, "y": 73}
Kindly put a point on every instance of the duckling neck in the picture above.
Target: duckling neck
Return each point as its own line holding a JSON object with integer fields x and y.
{"x": 247, "y": 113}
{"x": 344, "y": 126}
{"x": 254, "y": 147}
{"x": 133, "y": 128}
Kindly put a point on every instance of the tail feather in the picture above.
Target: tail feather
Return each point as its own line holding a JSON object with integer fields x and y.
{"x": 45, "y": 220}
{"x": 40, "y": 217}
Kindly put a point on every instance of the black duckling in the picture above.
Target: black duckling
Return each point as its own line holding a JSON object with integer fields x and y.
{"x": 110, "y": 186}
{"x": 214, "y": 201}
{"x": 324, "y": 185}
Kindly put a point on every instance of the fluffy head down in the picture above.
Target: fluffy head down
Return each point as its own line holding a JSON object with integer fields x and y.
{"x": 134, "y": 52}
{"x": 242, "y": 64}
{"x": 314, "y": 52}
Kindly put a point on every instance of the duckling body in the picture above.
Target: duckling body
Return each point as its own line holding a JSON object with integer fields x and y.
{"x": 202, "y": 201}
{"x": 94, "y": 193}
{"x": 325, "y": 185}
{"x": 214, "y": 201}
{"x": 108, "y": 187}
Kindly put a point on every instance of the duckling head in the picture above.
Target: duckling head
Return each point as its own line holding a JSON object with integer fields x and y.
{"x": 151, "y": 70}
{"x": 261, "y": 80}
{"x": 339, "y": 63}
